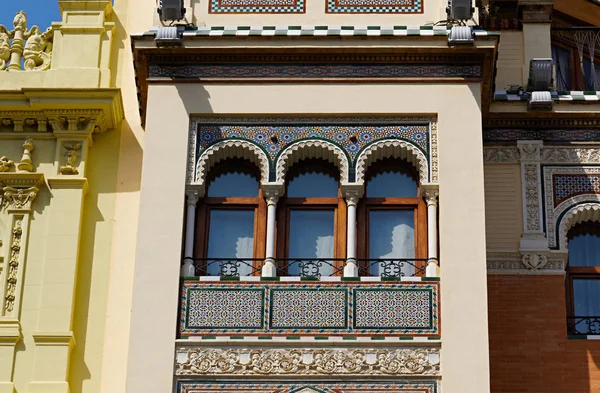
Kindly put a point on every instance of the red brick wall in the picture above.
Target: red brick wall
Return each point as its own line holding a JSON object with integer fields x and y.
{"x": 529, "y": 349}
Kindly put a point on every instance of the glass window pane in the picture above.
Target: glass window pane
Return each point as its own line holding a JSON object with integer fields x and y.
{"x": 584, "y": 250}
{"x": 231, "y": 236}
{"x": 233, "y": 184}
{"x": 391, "y": 184}
{"x": 562, "y": 59}
{"x": 392, "y": 237}
{"x": 313, "y": 184}
{"x": 586, "y": 293}
{"x": 311, "y": 237}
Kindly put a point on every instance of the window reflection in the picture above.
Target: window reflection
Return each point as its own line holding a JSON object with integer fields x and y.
{"x": 586, "y": 293}
{"x": 313, "y": 184}
{"x": 233, "y": 184}
{"x": 391, "y": 236}
{"x": 231, "y": 236}
{"x": 584, "y": 249}
{"x": 392, "y": 183}
{"x": 311, "y": 237}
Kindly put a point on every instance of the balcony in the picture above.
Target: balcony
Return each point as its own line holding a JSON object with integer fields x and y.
{"x": 583, "y": 326}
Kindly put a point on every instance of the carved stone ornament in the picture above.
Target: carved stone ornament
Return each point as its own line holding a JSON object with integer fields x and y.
{"x": 530, "y": 150}
{"x": 534, "y": 261}
{"x": 13, "y": 265}
{"x": 6, "y": 164}
{"x": 532, "y": 197}
{"x": 19, "y": 198}
{"x": 501, "y": 155}
{"x": 71, "y": 155}
{"x": 307, "y": 362}
{"x": 271, "y": 196}
{"x": 569, "y": 155}
{"x": 431, "y": 196}
{"x": 21, "y": 43}
{"x": 26, "y": 164}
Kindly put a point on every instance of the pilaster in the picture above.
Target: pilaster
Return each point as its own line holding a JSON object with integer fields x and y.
{"x": 533, "y": 237}
{"x": 86, "y": 25}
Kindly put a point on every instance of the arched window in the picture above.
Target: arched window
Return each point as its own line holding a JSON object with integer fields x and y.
{"x": 392, "y": 221}
{"x": 231, "y": 221}
{"x": 583, "y": 278}
{"x": 311, "y": 233}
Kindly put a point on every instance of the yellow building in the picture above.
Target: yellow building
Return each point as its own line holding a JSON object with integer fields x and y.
{"x": 291, "y": 196}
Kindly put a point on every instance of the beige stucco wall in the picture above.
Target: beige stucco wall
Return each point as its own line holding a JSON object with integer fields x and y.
{"x": 503, "y": 206}
{"x": 462, "y": 227}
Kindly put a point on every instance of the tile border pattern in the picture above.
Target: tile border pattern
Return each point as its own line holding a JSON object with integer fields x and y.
{"x": 374, "y": 6}
{"x": 257, "y": 6}
{"x": 502, "y": 95}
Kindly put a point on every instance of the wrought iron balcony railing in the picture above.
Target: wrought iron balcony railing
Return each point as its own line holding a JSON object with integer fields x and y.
{"x": 580, "y": 326}
{"x": 311, "y": 268}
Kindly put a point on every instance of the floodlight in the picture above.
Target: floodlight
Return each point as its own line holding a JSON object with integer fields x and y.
{"x": 171, "y": 10}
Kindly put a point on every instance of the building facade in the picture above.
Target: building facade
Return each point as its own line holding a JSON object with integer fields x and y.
{"x": 300, "y": 196}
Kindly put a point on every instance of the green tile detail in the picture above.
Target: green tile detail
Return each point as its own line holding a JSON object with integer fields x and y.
{"x": 237, "y": 337}
{"x": 406, "y": 338}
{"x": 191, "y": 278}
{"x": 322, "y": 338}
{"x": 377, "y": 338}
{"x": 350, "y": 278}
{"x": 309, "y": 279}
{"x": 400, "y": 27}
{"x": 426, "y": 27}
{"x": 578, "y": 337}
{"x": 349, "y": 338}
{"x": 265, "y": 337}
{"x": 373, "y": 27}
{"x": 347, "y": 27}
{"x": 293, "y": 338}
{"x": 225, "y": 278}
{"x": 294, "y": 27}
{"x": 589, "y": 93}
{"x": 434, "y": 338}
{"x": 321, "y": 27}
{"x": 246, "y": 27}
{"x": 218, "y": 28}
{"x": 269, "y": 279}
{"x": 430, "y": 279}
{"x": 209, "y": 337}
{"x": 268, "y": 27}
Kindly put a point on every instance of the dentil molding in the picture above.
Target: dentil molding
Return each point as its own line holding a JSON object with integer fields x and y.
{"x": 307, "y": 362}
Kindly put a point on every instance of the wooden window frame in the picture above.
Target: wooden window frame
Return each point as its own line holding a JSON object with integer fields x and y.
{"x": 208, "y": 204}
{"x": 579, "y": 272}
{"x": 577, "y": 79}
{"x": 337, "y": 204}
{"x": 416, "y": 204}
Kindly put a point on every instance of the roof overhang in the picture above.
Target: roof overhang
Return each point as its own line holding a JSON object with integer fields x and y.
{"x": 317, "y": 54}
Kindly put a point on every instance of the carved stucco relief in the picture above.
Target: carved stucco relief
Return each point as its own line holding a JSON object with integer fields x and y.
{"x": 307, "y": 362}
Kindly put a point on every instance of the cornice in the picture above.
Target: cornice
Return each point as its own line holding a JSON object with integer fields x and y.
{"x": 60, "y": 110}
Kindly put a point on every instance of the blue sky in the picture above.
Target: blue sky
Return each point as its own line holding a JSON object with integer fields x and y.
{"x": 39, "y": 12}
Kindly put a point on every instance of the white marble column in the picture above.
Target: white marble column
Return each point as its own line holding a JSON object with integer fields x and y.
{"x": 351, "y": 195}
{"x": 271, "y": 194}
{"x": 431, "y": 198}
{"x": 188, "y": 269}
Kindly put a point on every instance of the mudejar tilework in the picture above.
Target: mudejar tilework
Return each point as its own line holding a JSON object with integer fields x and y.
{"x": 375, "y": 6}
{"x": 416, "y": 386}
{"x": 353, "y": 309}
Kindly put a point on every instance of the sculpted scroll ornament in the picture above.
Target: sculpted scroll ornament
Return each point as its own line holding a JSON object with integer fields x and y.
{"x": 407, "y": 361}
{"x": 71, "y": 155}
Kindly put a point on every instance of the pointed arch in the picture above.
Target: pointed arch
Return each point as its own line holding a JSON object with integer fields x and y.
{"x": 312, "y": 149}
{"x": 231, "y": 149}
{"x": 392, "y": 148}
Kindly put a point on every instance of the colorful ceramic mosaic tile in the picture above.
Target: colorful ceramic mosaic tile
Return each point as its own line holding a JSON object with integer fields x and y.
{"x": 274, "y": 139}
{"x": 566, "y": 186}
{"x": 257, "y": 6}
{"x": 375, "y": 6}
{"x": 412, "y": 386}
{"x": 309, "y": 309}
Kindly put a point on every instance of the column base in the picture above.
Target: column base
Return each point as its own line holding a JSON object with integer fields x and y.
{"x": 432, "y": 270}
{"x": 48, "y": 387}
{"x": 351, "y": 270}
{"x": 269, "y": 269}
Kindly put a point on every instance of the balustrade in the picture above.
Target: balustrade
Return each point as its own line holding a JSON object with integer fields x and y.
{"x": 24, "y": 49}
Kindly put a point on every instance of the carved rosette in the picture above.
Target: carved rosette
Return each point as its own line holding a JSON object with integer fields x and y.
{"x": 308, "y": 362}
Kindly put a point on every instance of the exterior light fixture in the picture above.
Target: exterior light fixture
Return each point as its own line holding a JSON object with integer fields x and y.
{"x": 171, "y": 10}
{"x": 540, "y": 83}
{"x": 460, "y": 9}
{"x": 169, "y": 36}
{"x": 461, "y": 35}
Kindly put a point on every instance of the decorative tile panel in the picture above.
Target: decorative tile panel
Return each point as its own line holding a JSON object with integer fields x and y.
{"x": 224, "y": 308}
{"x": 317, "y": 308}
{"x": 412, "y": 386}
{"x": 384, "y": 309}
{"x": 375, "y": 6}
{"x": 301, "y": 308}
{"x": 566, "y": 186}
{"x": 257, "y": 6}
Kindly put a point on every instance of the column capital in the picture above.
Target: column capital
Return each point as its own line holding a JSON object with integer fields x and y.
{"x": 272, "y": 192}
{"x": 431, "y": 193}
{"x": 530, "y": 151}
{"x": 352, "y": 193}
{"x": 192, "y": 196}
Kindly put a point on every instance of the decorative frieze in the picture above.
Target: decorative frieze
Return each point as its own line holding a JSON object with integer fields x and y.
{"x": 304, "y": 362}
{"x": 525, "y": 263}
{"x": 422, "y": 385}
{"x": 501, "y": 155}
